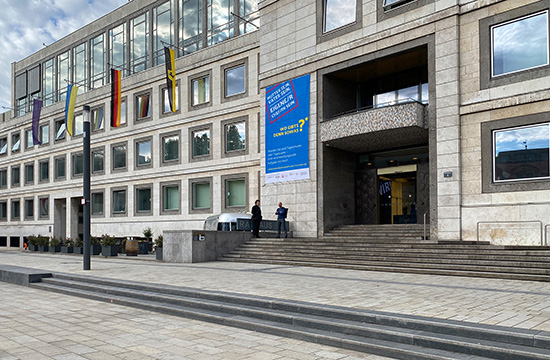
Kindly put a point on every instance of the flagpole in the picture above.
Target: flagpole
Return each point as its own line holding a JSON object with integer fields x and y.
{"x": 86, "y": 187}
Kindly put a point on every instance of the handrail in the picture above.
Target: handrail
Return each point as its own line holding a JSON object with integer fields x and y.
{"x": 373, "y": 107}
{"x": 546, "y": 234}
{"x": 424, "y": 216}
{"x": 511, "y": 222}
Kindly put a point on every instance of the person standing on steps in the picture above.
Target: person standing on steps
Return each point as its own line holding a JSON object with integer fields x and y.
{"x": 256, "y": 219}
{"x": 281, "y": 213}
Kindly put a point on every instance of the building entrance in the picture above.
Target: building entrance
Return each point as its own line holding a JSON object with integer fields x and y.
{"x": 397, "y": 198}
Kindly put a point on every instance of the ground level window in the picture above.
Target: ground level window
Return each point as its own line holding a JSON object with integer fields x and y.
{"x": 521, "y": 153}
{"x": 201, "y": 195}
{"x": 235, "y": 190}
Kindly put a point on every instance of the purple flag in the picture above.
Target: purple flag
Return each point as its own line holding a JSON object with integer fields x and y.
{"x": 36, "y": 108}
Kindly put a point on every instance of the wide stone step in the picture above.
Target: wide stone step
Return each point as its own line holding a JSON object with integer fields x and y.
{"x": 391, "y": 335}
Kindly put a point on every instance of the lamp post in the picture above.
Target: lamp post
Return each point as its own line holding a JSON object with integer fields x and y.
{"x": 86, "y": 187}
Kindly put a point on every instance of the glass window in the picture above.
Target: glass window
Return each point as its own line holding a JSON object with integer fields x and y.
{"x": 29, "y": 209}
{"x": 63, "y": 74}
{"x": 97, "y": 61}
{"x": 78, "y": 164}
{"x": 44, "y": 203}
{"x": 235, "y": 192}
{"x": 249, "y": 11}
{"x": 3, "y": 146}
{"x": 15, "y": 176}
{"x": 143, "y": 153}
{"x": 201, "y": 195}
{"x": 29, "y": 142}
{"x": 201, "y": 90}
{"x": 122, "y": 112}
{"x": 119, "y": 157}
{"x": 521, "y": 153}
{"x": 97, "y": 203}
{"x": 143, "y": 200}
{"x": 190, "y": 26}
{"x": 97, "y": 119}
{"x": 163, "y": 30}
{"x": 29, "y": 173}
{"x": 119, "y": 201}
{"x": 171, "y": 147}
{"x": 166, "y": 103}
{"x": 4, "y": 178}
{"x": 45, "y": 134}
{"x": 139, "y": 43}
{"x": 98, "y": 157}
{"x": 3, "y": 210}
{"x": 220, "y": 21}
{"x": 143, "y": 108}
{"x": 15, "y": 210}
{"x": 235, "y": 81}
{"x": 235, "y": 136}
{"x": 520, "y": 44}
{"x": 20, "y": 106}
{"x": 59, "y": 129}
{"x": 80, "y": 67}
{"x": 339, "y": 13}
{"x": 44, "y": 170}
{"x": 60, "y": 168}
{"x": 117, "y": 48}
{"x": 16, "y": 143}
{"x": 201, "y": 142}
{"x": 48, "y": 82}
{"x": 78, "y": 124}
{"x": 170, "y": 198}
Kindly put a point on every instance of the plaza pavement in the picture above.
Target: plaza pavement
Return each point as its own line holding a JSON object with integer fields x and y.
{"x": 67, "y": 327}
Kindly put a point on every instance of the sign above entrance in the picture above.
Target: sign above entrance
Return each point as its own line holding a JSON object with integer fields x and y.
{"x": 287, "y": 130}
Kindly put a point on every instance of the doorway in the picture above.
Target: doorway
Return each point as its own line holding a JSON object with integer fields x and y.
{"x": 397, "y": 198}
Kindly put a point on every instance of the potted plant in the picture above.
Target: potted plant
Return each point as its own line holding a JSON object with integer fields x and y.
{"x": 43, "y": 242}
{"x": 77, "y": 245}
{"x": 95, "y": 247}
{"x": 55, "y": 245}
{"x": 158, "y": 251}
{"x": 33, "y": 241}
{"x": 145, "y": 245}
{"x": 108, "y": 245}
{"x": 67, "y": 246}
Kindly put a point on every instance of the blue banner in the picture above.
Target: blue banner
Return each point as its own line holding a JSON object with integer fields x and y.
{"x": 287, "y": 130}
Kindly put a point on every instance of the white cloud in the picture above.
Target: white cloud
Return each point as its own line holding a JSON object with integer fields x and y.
{"x": 26, "y": 24}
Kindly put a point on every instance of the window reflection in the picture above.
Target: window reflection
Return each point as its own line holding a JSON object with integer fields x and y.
{"x": 190, "y": 24}
{"x": 144, "y": 153}
{"x": 166, "y": 105}
{"x": 520, "y": 44}
{"x": 117, "y": 48}
{"x": 339, "y": 13}
{"x": 201, "y": 90}
{"x": 235, "y": 136}
{"x": 201, "y": 143}
{"x": 97, "y": 65}
{"x": 521, "y": 153}
{"x": 63, "y": 75}
{"x": 139, "y": 43}
{"x": 80, "y": 67}
{"x": 220, "y": 21}
{"x": 163, "y": 30}
{"x": 235, "y": 81}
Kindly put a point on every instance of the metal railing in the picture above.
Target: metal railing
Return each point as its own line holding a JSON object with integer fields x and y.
{"x": 424, "y": 220}
{"x": 512, "y": 222}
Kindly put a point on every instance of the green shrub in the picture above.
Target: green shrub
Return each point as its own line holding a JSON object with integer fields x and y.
{"x": 68, "y": 242}
{"x": 159, "y": 241}
{"x": 107, "y": 240}
{"x": 54, "y": 241}
{"x": 77, "y": 242}
{"x": 148, "y": 233}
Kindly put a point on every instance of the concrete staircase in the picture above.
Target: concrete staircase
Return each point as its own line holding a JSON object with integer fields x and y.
{"x": 399, "y": 248}
{"x": 390, "y": 335}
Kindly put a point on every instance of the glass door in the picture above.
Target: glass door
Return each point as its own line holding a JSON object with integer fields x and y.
{"x": 397, "y": 198}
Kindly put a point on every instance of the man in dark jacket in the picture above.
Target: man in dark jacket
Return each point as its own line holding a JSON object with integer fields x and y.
{"x": 256, "y": 219}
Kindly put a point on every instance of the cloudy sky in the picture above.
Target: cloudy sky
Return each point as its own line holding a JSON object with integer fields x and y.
{"x": 26, "y": 24}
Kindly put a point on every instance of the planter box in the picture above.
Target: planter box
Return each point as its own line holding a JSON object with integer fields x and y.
{"x": 55, "y": 248}
{"x": 143, "y": 248}
{"x": 78, "y": 250}
{"x": 95, "y": 249}
{"x": 159, "y": 253}
{"x": 67, "y": 249}
{"x": 43, "y": 248}
{"x": 33, "y": 247}
{"x": 109, "y": 250}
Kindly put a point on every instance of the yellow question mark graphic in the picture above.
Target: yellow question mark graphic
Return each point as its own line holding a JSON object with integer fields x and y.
{"x": 301, "y": 122}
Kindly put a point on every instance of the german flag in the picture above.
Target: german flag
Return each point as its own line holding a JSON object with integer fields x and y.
{"x": 115, "y": 98}
{"x": 170, "y": 77}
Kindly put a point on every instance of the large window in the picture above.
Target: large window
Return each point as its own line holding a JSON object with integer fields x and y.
{"x": 139, "y": 43}
{"x": 48, "y": 82}
{"x": 97, "y": 61}
{"x": 143, "y": 153}
{"x": 163, "y": 30}
{"x": 338, "y": 13}
{"x": 119, "y": 201}
{"x": 170, "y": 198}
{"x": 235, "y": 192}
{"x": 97, "y": 203}
{"x": 143, "y": 106}
{"x": 520, "y": 44}
{"x": 201, "y": 195}
{"x": 97, "y": 119}
{"x": 3, "y": 145}
{"x": 63, "y": 74}
{"x": 235, "y": 136}
{"x": 166, "y": 100}
{"x": 190, "y": 26}
{"x": 119, "y": 157}
{"x": 15, "y": 210}
{"x": 117, "y": 48}
{"x": 235, "y": 81}
{"x": 44, "y": 134}
{"x": 15, "y": 142}
{"x": 521, "y": 153}
{"x": 3, "y": 210}
{"x": 143, "y": 200}
{"x": 59, "y": 129}
{"x": 44, "y": 204}
{"x": 78, "y": 124}
{"x": 80, "y": 67}
{"x": 78, "y": 164}
{"x": 29, "y": 173}
{"x": 170, "y": 148}
{"x": 60, "y": 167}
{"x": 200, "y": 90}
{"x": 15, "y": 175}
{"x": 3, "y": 178}
{"x": 201, "y": 142}
{"x": 98, "y": 160}
{"x": 220, "y": 21}
{"x": 29, "y": 209}
{"x": 44, "y": 168}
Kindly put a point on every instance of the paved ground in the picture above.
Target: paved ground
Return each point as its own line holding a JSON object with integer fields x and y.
{"x": 73, "y": 328}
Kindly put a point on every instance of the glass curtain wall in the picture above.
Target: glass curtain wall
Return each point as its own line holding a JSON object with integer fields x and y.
{"x": 63, "y": 74}
{"x": 117, "y": 48}
{"x": 220, "y": 21}
{"x": 163, "y": 30}
{"x": 97, "y": 61}
{"x": 249, "y": 11}
{"x": 48, "y": 82}
{"x": 190, "y": 26}
{"x": 80, "y": 67}
{"x": 139, "y": 43}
